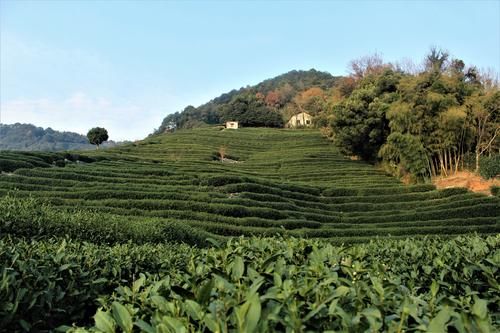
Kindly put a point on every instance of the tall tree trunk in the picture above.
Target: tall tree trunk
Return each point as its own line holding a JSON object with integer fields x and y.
{"x": 433, "y": 167}
{"x": 457, "y": 161}
{"x": 477, "y": 159}
{"x": 451, "y": 161}
{"x": 445, "y": 162}
{"x": 441, "y": 162}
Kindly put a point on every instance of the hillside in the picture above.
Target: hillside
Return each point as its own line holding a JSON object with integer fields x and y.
{"x": 279, "y": 97}
{"x": 141, "y": 238}
{"x": 279, "y": 181}
{"x": 27, "y": 137}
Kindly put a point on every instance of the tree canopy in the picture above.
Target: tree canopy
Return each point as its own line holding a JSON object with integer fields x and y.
{"x": 422, "y": 123}
{"x": 251, "y": 111}
{"x": 275, "y": 100}
{"x": 97, "y": 136}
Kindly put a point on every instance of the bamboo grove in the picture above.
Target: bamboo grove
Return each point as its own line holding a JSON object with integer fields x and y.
{"x": 419, "y": 123}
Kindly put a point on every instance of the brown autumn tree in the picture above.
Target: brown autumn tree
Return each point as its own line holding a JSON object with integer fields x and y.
{"x": 273, "y": 99}
{"x": 312, "y": 100}
{"x": 371, "y": 64}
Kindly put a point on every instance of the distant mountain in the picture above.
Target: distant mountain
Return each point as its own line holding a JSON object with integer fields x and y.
{"x": 269, "y": 103}
{"x": 28, "y": 137}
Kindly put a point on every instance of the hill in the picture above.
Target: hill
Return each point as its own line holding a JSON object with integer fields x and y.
{"x": 27, "y": 137}
{"x": 269, "y": 103}
{"x": 278, "y": 182}
{"x": 97, "y": 240}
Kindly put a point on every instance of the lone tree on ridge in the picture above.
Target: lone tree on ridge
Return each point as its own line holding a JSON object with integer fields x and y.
{"x": 97, "y": 135}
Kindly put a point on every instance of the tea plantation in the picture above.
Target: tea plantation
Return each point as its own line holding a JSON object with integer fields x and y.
{"x": 146, "y": 237}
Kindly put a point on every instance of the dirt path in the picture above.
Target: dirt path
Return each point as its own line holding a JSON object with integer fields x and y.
{"x": 466, "y": 179}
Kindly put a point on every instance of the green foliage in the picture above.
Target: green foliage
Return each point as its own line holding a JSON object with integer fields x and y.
{"x": 419, "y": 124}
{"x": 13, "y": 160}
{"x": 250, "y": 111}
{"x": 489, "y": 166}
{"x": 282, "y": 285}
{"x": 277, "y": 93}
{"x": 28, "y": 217}
{"x": 407, "y": 154}
{"x": 495, "y": 190}
{"x": 169, "y": 189}
{"x": 359, "y": 124}
{"x": 137, "y": 204}
{"x": 49, "y": 283}
{"x": 97, "y": 135}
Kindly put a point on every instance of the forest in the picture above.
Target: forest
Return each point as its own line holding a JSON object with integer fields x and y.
{"x": 419, "y": 122}
{"x": 267, "y": 104}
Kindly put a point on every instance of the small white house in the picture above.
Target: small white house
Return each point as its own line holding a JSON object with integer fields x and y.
{"x": 232, "y": 124}
{"x": 302, "y": 119}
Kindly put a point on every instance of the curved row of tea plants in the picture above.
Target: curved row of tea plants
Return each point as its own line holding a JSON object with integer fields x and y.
{"x": 279, "y": 180}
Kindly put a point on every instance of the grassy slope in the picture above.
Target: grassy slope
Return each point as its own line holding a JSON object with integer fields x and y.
{"x": 286, "y": 179}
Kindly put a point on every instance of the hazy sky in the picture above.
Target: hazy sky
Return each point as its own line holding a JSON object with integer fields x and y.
{"x": 125, "y": 65}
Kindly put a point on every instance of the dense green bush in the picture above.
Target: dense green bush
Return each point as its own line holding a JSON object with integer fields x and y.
{"x": 7, "y": 165}
{"x": 378, "y": 191}
{"x": 489, "y": 166}
{"x": 495, "y": 190}
{"x": 223, "y": 180}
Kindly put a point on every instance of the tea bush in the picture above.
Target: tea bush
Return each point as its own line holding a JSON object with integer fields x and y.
{"x": 44, "y": 284}
{"x": 28, "y": 217}
{"x": 285, "y": 285}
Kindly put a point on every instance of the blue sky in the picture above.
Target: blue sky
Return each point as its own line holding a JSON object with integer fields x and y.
{"x": 125, "y": 65}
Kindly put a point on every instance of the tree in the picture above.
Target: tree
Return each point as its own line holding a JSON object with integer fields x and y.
{"x": 486, "y": 117}
{"x": 406, "y": 154}
{"x": 312, "y": 100}
{"x": 359, "y": 121}
{"x": 97, "y": 135}
{"x": 372, "y": 64}
{"x": 436, "y": 60}
{"x": 250, "y": 111}
{"x": 273, "y": 99}
{"x": 419, "y": 123}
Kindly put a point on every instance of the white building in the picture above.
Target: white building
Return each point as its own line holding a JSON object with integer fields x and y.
{"x": 232, "y": 124}
{"x": 301, "y": 119}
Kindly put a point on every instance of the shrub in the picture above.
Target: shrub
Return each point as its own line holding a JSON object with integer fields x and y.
{"x": 10, "y": 165}
{"x": 489, "y": 167}
{"x": 495, "y": 190}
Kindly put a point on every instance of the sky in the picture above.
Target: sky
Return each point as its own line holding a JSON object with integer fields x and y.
{"x": 124, "y": 65}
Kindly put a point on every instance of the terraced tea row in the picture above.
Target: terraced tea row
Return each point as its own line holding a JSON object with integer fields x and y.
{"x": 276, "y": 181}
